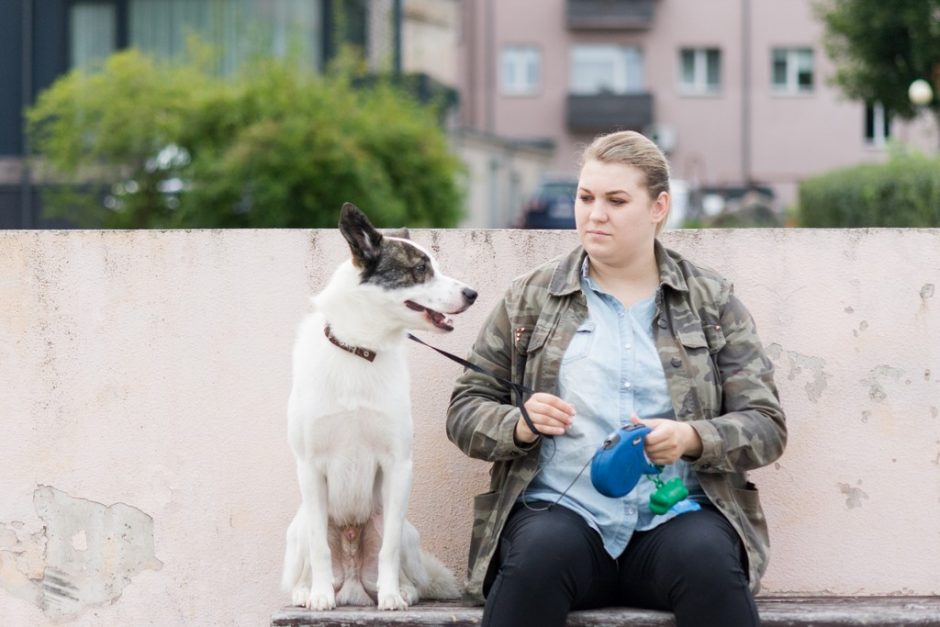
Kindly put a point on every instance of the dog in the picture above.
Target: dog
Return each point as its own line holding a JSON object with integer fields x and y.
{"x": 350, "y": 426}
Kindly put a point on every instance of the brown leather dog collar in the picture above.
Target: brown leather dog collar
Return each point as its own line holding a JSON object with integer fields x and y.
{"x": 358, "y": 351}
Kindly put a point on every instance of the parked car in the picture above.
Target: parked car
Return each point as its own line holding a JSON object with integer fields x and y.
{"x": 551, "y": 206}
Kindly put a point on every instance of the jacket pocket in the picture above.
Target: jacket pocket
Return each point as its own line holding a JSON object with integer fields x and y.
{"x": 748, "y": 500}
{"x": 484, "y": 526}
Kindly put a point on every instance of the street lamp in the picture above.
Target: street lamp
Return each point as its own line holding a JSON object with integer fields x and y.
{"x": 920, "y": 93}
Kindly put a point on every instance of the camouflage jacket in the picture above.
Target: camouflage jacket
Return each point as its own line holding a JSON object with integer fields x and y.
{"x": 718, "y": 376}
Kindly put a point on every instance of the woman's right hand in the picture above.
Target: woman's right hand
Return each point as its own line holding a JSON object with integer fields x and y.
{"x": 549, "y": 414}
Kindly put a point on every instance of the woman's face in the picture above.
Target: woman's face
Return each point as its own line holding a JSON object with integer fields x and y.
{"x": 614, "y": 214}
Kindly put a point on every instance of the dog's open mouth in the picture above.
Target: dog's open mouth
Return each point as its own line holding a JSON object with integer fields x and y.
{"x": 438, "y": 319}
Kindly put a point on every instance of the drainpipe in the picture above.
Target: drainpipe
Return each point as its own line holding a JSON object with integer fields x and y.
{"x": 489, "y": 72}
{"x": 26, "y": 185}
{"x": 746, "y": 91}
{"x": 397, "y": 26}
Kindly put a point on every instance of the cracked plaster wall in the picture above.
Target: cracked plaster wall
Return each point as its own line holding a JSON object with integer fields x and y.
{"x": 84, "y": 554}
{"x": 146, "y": 376}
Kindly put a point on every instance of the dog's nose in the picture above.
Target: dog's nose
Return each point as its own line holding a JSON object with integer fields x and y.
{"x": 469, "y": 294}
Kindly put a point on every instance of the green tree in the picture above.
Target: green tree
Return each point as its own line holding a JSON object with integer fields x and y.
{"x": 144, "y": 144}
{"x": 881, "y": 47}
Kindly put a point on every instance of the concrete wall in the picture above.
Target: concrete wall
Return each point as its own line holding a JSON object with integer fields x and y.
{"x": 145, "y": 478}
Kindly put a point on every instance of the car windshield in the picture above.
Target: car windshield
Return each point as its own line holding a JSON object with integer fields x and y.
{"x": 559, "y": 189}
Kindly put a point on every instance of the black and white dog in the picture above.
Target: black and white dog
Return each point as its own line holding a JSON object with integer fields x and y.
{"x": 350, "y": 426}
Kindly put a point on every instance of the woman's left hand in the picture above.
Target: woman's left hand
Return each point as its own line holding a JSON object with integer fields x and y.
{"x": 668, "y": 440}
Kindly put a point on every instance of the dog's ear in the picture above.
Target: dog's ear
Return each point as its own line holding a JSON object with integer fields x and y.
{"x": 364, "y": 240}
{"x": 401, "y": 233}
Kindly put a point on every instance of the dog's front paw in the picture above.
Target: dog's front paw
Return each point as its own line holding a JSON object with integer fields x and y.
{"x": 299, "y": 595}
{"x": 391, "y": 601}
{"x": 321, "y": 599}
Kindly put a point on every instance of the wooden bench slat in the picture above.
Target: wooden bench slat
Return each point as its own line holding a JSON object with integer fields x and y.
{"x": 774, "y": 612}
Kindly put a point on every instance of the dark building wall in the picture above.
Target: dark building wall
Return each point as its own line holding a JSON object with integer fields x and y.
{"x": 50, "y": 42}
{"x": 29, "y": 60}
{"x": 11, "y": 78}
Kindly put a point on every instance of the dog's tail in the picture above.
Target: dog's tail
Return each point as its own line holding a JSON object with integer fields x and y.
{"x": 295, "y": 553}
{"x": 432, "y": 579}
{"x": 441, "y": 583}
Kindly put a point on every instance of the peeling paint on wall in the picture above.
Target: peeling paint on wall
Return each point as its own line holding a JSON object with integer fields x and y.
{"x": 853, "y": 496}
{"x": 926, "y": 292}
{"x": 877, "y": 377}
{"x": 799, "y": 362}
{"x": 85, "y": 554}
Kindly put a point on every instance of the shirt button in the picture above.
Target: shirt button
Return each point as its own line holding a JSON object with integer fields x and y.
{"x": 676, "y": 362}
{"x": 628, "y": 346}
{"x": 626, "y": 384}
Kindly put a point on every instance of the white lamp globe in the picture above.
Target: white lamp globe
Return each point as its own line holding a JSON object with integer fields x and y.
{"x": 920, "y": 92}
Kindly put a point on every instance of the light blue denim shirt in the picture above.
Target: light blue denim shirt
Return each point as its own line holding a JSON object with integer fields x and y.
{"x": 610, "y": 371}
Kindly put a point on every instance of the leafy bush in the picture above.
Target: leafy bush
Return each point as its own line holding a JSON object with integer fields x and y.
{"x": 143, "y": 144}
{"x": 904, "y": 192}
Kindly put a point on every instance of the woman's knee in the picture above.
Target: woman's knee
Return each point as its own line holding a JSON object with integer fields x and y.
{"x": 548, "y": 545}
{"x": 710, "y": 554}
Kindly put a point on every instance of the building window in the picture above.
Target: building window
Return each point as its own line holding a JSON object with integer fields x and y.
{"x": 521, "y": 66}
{"x": 877, "y": 124}
{"x": 598, "y": 69}
{"x": 92, "y": 33}
{"x": 700, "y": 70}
{"x": 792, "y": 71}
{"x": 236, "y": 30}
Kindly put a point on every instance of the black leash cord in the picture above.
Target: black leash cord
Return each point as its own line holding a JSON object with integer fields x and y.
{"x": 520, "y": 389}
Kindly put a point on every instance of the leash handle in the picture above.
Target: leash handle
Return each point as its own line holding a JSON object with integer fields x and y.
{"x": 520, "y": 389}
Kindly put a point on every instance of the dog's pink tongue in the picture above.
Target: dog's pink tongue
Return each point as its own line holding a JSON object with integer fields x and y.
{"x": 440, "y": 320}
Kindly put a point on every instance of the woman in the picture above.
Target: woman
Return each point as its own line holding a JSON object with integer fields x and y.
{"x": 620, "y": 330}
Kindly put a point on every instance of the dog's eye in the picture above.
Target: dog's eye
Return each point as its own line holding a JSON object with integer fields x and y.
{"x": 421, "y": 268}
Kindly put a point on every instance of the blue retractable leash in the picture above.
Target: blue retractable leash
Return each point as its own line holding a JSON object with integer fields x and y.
{"x": 618, "y": 464}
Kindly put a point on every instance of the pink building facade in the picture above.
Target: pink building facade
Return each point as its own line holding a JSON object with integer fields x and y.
{"x": 735, "y": 91}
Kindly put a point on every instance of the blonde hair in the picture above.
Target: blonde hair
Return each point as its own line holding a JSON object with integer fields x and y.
{"x": 633, "y": 149}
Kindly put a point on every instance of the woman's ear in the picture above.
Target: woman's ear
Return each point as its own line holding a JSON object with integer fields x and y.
{"x": 660, "y": 208}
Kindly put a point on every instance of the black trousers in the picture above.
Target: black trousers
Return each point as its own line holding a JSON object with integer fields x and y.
{"x": 551, "y": 561}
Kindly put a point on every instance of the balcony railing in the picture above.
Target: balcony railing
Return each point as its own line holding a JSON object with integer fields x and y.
{"x": 607, "y": 112}
{"x": 610, "y": 14}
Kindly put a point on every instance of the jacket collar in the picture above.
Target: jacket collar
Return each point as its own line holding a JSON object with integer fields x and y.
{"x": 566, "y": 278}
{"x": 669, "y": 271}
